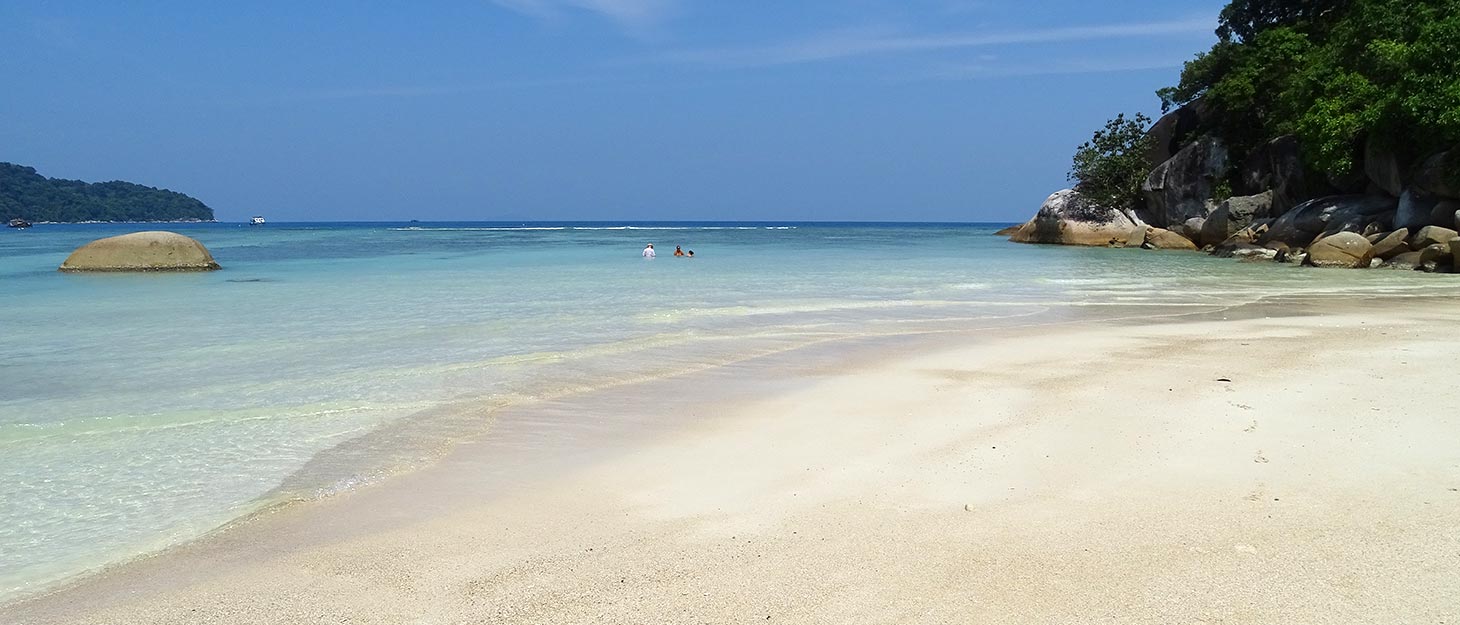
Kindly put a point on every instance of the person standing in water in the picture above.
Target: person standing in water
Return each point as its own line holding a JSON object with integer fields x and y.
{"x": 678, "y": 251}
{"x": 649, "y": 251}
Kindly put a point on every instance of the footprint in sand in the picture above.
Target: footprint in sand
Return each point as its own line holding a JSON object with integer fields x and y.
{"x": 1251, "y": 428}
{"x": 1260, "y": 459}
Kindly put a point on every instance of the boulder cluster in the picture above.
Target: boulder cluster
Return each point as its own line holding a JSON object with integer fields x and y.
{"x": 1386, "y": 215}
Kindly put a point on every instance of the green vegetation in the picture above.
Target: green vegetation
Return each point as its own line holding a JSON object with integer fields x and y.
{"x": 1110, "y": 167}
{"x": 1333, "y": 73}
{"x": 27, "y": 195}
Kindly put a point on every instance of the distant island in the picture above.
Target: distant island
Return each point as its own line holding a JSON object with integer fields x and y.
{"x": 25, "y": 194}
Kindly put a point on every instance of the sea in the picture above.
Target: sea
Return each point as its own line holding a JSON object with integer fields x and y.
{"x": 139, "y": 411}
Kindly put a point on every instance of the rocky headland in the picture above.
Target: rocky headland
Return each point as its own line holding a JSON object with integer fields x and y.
{"x": 1278, "y": 210}
{"x": 1324, "y": 133}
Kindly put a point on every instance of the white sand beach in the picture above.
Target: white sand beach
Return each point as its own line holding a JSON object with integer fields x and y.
{"x": 1254, "y": 469}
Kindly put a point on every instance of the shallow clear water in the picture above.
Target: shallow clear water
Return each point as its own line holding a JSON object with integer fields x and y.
{"x": 141, "y": 410}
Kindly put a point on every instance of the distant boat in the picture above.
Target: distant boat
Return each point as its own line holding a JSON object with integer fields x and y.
{"x": 18, "y": 223}
{"x": 256, "y": 221}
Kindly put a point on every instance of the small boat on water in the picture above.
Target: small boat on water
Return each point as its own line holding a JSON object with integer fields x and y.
{"x": 257, "y": 220}
{"x": 18, "y": 223}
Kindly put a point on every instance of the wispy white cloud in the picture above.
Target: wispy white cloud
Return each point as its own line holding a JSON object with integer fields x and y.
{"x": 986, "y": 68}
{"x": 415, "y": 91}
{"x": 859, "y": 43}
{"x": 634, "y": 15}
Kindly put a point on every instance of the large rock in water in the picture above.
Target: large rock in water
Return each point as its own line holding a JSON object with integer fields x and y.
{"x": 1329, "y": 215}
{"x": 1068, "y": 218}
{"x": 141, "y": 251}
{"x": 1233, "y": 215}
{"x": 1345, "y": 249}
{"x": 1179, "y": 188}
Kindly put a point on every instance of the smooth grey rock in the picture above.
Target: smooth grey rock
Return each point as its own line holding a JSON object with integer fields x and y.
{"x": 1415, "y": 210}
{"x": 1276, "y": 166}
{"x": 1233, "y": 215}
{"x": 1192, "y": 229}
{"x": 1329, "y": 215}
{"x": 1170, "y": 133}
{"x": 1344, "y": 249}
{"x": 1179, "y": 188}
{"x": 1068, "y": 218}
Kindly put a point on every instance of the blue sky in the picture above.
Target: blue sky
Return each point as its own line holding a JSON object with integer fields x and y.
{"x": 920, "y": 110}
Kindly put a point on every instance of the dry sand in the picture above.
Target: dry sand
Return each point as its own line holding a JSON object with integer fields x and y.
{"x": 1086, "y": 473}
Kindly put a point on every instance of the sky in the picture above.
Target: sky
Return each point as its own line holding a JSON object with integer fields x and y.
{"x": 850, "y": 110}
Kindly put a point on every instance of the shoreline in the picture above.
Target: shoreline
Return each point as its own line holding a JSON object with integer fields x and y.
{"x": 421, "y": 438}
{"x": 259, "y": 544}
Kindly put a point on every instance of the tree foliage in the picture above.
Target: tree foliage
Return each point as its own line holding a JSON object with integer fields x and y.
{"x": 1334, "y": 73}
{"x": 1110, "y": 167}
{"x": 28, "y": 195}
{"x": 1244, "y": 19}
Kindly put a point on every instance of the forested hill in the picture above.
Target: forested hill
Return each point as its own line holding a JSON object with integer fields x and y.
{"x": 28, "y": 195}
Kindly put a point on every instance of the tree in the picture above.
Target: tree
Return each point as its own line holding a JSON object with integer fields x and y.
{"x": 28, "y": 195}
{"x": 1110, "y": 167}
{"x": 1242, "y": 20}
{"x": 1334, "y": 73}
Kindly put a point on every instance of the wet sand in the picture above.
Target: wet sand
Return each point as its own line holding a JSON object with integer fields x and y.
{"x": 1252, "y": 469}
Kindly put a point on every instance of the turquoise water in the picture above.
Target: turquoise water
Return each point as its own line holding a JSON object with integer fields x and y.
{"x": 142, "y": 410}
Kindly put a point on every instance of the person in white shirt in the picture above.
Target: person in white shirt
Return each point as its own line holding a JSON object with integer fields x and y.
{"x": 649, "y": 251}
